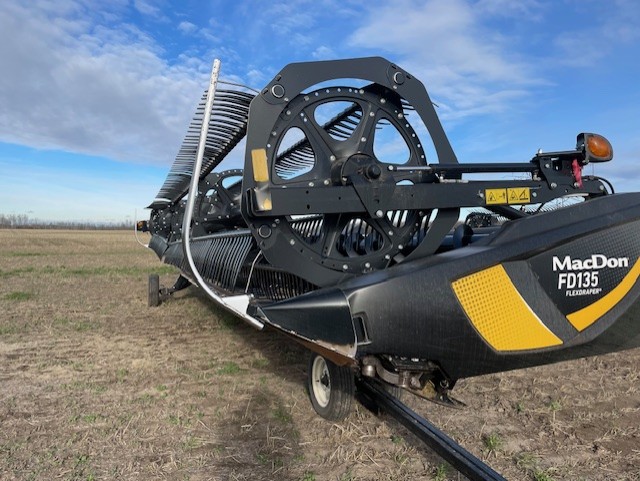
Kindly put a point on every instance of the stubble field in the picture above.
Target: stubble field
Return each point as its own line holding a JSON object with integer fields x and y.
{"x": 96, "y": 385}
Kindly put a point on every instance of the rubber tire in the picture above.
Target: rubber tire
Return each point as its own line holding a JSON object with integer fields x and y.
{"x": 334, "y": 403}
{"x": 154, "y": 290}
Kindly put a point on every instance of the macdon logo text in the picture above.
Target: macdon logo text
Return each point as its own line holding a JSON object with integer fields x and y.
{"x": 596, "y": 261}
{"x": 581, "y": 277}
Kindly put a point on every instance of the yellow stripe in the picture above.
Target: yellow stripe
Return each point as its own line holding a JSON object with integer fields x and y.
{"x": 500, "y": 314}
{"x": 588, "y": 315}
{"x": 260, "y": 168}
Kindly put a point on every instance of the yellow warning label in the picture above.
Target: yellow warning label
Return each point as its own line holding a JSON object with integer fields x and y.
{"x": 519, "y": 195}
{"x": 496, "y": 196}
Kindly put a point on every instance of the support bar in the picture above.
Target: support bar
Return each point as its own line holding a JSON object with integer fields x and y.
{"x": 461, "y": 459}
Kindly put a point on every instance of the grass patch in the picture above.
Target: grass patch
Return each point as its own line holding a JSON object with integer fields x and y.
{"x": 8, "y": 330}
{"x": 121, "y": 375}
{"x": 260, "y": 363}
{"x": 16, "y": 272}
{"x": 24, "y": 254}
{"x": 554, "y": 406}
{"x": 282, "y": 414}
{"x": 493, "y": 442}
{"x": 539, "y": 475}
{"x": 18, "y": 296}
{"x": 64, "y": 271}
{"x": 83, "y": 326}
{"x": 109, "y": 271}
{"x": 440, "y": 473}
{"x": 529, "y": 462}
{"x": 229, "y": 368}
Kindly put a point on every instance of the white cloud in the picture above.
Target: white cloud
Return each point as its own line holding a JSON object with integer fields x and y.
{"x": 464, "y": 65}
{"x": 187, "y": 27}
{"x": 323, "y": 53}
{"x": 606, "y": 27}
{"x": 146, "y": 7}
{"x": 72, "y": 83}
{"x": 508, "y": 8}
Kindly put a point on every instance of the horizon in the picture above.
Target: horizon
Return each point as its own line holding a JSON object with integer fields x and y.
{"x": 96, "y": 99}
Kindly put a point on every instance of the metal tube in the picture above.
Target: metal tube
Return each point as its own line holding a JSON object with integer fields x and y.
{"x": 235, "y": 304}
{"x": 461, "y": 459}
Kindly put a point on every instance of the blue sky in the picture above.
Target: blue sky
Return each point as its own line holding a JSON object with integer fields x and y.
{"x": 96, "y": 96}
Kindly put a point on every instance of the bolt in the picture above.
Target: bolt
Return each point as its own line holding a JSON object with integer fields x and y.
{"x": 481, "y": 195}
{"x": 383, "y": 101}
{"x": 345, "y": 267}
{"x": 400, "y": 115}
{"x": 292, "y": 242}
{"x": 400, "y": 246}
{"x": 264, "y": 231}
{"x": 277, "y": 91}
{"x": 546, "y": 166}
{"x": 326, "y": 182}
{"x": 379, "y": 213}
{"x": 332, "y": 158}
{"x": 553, "y": 185}
{"x": 387, "y": 257}
{"x": 601, "y": 187}
{"x": 534, "y": 194}
{"x": 311, "y": 184}
{"x": 373, "y": 171}
{"x": 398, "y": 78}
{"x": 367, "y": 265}
{"x": 363, "y": 139}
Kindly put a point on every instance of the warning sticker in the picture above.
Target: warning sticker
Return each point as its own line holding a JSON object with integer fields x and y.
{"x": 519, "y": 195}
{"x": 496, "y": 196}
{"x": 514, "y": 195}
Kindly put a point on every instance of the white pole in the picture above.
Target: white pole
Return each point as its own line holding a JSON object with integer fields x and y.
{"x": 235, "y": 304}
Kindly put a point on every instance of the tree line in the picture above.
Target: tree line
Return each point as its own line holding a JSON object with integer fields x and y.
{"x": 23, "y": 221}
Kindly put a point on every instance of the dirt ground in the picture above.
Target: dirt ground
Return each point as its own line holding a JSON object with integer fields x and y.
{"x": 96, "y": 385}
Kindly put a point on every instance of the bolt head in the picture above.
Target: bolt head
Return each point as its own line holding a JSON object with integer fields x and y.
{"x": 277, "y": 91}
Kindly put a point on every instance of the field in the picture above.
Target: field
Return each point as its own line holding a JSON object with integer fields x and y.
{"x": 96, "y": 385}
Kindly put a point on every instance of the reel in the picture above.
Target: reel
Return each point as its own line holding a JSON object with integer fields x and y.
{"x": 340, "y": 136}
{"x": 218, "y": 204}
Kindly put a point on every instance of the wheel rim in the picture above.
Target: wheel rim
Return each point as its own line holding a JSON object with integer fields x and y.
{"x": 320, "y": 381}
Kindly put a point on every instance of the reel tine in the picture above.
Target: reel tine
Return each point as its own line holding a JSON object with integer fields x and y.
{"x": 227, "y": 127}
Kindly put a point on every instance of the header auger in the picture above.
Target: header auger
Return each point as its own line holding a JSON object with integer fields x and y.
{"x": 346, "y": 230}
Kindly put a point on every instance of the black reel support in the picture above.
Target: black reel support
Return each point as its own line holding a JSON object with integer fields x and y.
{"x": 327, "y": 247}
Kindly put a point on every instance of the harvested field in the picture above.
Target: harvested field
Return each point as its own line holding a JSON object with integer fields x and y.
{"x": 96, "y": 385}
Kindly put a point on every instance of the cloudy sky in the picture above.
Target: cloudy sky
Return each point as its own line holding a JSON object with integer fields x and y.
{"x": 95, "y": 96}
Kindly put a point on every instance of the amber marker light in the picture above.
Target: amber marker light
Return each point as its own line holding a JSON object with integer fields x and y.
{"x": 596, "y": 148}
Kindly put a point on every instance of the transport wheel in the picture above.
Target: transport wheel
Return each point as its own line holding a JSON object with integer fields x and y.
{"x": 154, "y": 290}
{"x": 331, "y": 388}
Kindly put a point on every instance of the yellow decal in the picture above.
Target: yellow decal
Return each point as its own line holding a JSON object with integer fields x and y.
{"x": 500, "y": 314}
{"x": 519, "y": 195}
{"x": 495, "y": 196}
{"x": 260, "y": 168}
{"x": 588, "y": 315}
